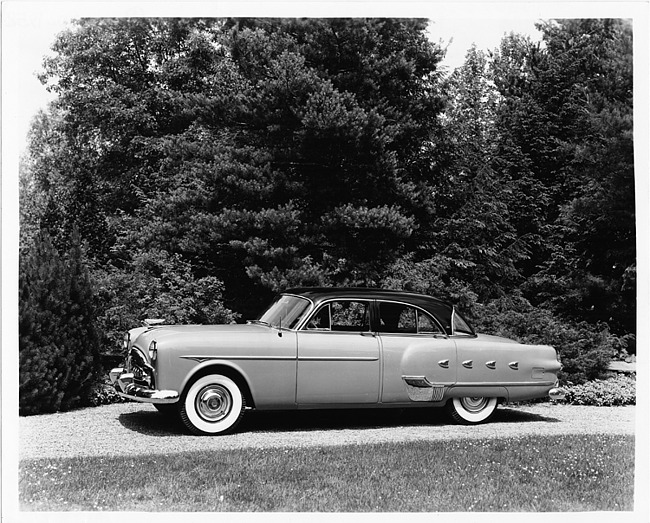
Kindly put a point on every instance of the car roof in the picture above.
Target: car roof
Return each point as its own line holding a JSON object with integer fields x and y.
{"x": 320, "y": 293}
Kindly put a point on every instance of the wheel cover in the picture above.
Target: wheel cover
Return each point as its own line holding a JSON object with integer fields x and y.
{"x": 213, "y": 403}
{"x": 474, "y": 404}
{"x": 471, "y": 410}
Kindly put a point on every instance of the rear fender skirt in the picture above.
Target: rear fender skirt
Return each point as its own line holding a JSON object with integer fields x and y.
{"x": 480, "y": 391}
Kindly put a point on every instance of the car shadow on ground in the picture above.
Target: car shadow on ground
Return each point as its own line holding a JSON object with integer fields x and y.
{"x": 152, "y": 423}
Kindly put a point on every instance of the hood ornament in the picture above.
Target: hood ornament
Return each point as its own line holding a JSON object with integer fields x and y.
{"x": 152, "y": 322}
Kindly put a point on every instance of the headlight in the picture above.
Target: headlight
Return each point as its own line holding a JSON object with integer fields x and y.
{"x": 153, "y": 351}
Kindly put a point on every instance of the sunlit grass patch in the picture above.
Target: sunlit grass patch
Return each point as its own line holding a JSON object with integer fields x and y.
{"x": 555, "y": 473}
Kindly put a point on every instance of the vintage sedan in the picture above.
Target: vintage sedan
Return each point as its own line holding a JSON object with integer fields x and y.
{"x": 332, "y": 348}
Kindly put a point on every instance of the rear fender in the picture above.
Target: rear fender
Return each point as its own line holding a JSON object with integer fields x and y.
{"x": 484, "y": 391}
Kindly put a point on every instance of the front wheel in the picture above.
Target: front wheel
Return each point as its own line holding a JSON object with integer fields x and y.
{"x": 471, "y": 411}
{"x": 212, "y": 405}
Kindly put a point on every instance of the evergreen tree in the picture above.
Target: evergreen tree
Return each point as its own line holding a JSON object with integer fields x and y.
{"x": 58, "y": 341}
{"x": 568, "y": 110}
{"x": 265, "y": 153}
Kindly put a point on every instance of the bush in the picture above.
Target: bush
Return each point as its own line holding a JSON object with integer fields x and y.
{"x": 104, "y": 394}
{"x": 620, "y": 390}
{"x": 585, "y": 349}
{"x": 58, "y": 341}
{"x": 155, "y": 284}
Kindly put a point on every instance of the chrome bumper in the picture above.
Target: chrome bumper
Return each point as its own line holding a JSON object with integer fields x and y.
{"x": 125, "y": 387}
{"x": 557, "y": 394}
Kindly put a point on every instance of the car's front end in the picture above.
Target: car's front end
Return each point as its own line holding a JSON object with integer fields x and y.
{"x": 137, "y": 380}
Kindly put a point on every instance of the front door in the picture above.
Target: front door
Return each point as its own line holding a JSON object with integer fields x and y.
{"x": 338, "y": 356}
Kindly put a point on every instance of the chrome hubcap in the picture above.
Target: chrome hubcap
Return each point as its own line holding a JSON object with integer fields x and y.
{"x": 213, "y": 403}
{"x": 474, "y": 404}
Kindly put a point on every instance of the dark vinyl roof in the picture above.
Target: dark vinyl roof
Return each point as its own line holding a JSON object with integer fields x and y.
{"x": 429, "y": 303}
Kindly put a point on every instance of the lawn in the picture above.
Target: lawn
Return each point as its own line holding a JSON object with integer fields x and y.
{"x": 543, "y": 473}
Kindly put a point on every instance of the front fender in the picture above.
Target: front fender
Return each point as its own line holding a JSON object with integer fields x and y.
{"x": 213, "y": 366}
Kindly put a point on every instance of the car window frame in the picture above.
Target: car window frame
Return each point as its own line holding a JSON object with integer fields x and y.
{"x": 317, "y": 307}
{"x": 461, "y": 334}
{"x": 379, "y": 301}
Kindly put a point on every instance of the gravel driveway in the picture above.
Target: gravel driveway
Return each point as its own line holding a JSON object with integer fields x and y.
{"x": 138, "y": 429}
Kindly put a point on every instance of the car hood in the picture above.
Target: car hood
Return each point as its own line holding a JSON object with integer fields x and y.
{"x": 196, "y": 333}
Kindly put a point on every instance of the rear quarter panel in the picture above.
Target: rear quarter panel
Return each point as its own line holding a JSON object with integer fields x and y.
{"x": 525, "y": 371}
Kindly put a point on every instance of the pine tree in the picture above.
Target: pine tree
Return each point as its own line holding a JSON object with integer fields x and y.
{"x": 58, "y": 342}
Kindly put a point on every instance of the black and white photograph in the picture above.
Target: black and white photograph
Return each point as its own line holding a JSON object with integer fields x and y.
{"x": 325, "y": 259}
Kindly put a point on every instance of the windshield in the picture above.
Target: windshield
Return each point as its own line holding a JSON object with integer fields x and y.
{"x": 285, "y": 312}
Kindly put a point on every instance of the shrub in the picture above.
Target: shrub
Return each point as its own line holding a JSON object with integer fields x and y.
{"x": 620, "y": 390}
{"x": 104, "y": 394}
{"x": 58, "y": 341}
{"x": 155, "y": 284}
{"x": 585, "y": 349}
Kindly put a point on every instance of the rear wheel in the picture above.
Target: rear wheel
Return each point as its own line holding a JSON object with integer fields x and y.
{"x": 212, "y": 405}
{"x": 471, "y": 410}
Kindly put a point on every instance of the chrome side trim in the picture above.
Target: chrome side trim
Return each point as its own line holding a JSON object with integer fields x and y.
{"x": 417, "y": 381}
{"x": 201, "y": 359}
{"x": 504, "y": 384}
{"x": 338, "y": 358}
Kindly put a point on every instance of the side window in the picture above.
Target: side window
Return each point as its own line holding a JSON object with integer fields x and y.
{"x": 407, "y": 321}
{"x": 350, "y": 316}
{"x": 321, "y": 320}
{"x": 427, "y": 325}
{"x": 460, "y": 325}
{"x": 397, "y": 318}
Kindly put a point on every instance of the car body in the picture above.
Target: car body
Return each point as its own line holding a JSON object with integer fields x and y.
{"x": 332, "y": 348}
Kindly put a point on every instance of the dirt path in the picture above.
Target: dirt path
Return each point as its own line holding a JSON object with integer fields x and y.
{"x": 138, "y": 429}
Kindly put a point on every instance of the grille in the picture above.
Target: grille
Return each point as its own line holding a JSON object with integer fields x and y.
{"x": 142, "y": 372}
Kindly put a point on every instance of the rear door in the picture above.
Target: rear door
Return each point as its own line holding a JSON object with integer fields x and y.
{"x": 419, "y": 360}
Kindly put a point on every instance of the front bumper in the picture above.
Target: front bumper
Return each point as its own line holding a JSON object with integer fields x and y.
{"x": 126, "y": 387}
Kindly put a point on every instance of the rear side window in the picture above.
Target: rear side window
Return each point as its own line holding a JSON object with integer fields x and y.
{"x": 461, "y": 327}
{"x": 398, "y": 318}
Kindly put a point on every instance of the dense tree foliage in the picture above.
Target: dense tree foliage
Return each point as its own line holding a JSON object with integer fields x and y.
{"x": 210, "y": 163}
{"x": 569, "y": 108}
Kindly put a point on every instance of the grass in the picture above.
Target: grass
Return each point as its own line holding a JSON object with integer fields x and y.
{"x": 550, "y": 473}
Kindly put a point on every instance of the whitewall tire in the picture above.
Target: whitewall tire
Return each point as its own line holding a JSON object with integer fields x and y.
{"x": 212, "y": 405}
{"x": 470, "y": 411}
